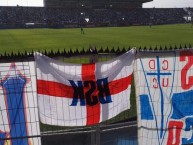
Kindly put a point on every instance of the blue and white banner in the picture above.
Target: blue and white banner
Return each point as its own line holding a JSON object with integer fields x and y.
{"x": 18, "y": 104}
{"x": 164, "y": 89}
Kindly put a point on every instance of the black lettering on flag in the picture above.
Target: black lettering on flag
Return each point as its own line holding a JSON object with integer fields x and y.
{"x": 91, "y": 100}
{"x": 87, "y": 97}
{"x": 78, "y": 93}
{"x": 104, "y": 93}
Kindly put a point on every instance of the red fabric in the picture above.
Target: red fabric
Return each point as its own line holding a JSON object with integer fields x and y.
{"x": 93, "y": 112}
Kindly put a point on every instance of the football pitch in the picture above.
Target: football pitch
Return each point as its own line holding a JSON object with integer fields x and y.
{"x": 53, "y": 39}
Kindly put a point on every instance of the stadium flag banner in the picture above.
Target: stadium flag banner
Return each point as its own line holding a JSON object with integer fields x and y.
{"x": 83, "y": 94}
{"x": 18, "y": 104}
{"x": 164, "y": 87}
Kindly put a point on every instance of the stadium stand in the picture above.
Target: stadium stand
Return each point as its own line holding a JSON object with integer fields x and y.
{"x": 60, "y": 17}
{"x": 95, "y": 4}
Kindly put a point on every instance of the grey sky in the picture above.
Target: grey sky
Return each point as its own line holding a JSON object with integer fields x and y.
{"x": 169, "y": 4}
{"x": 21, "y": 2}
{"x": 155, "y": 3}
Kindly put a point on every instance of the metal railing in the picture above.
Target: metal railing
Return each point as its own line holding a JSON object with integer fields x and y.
{"x": 120, "y": 130}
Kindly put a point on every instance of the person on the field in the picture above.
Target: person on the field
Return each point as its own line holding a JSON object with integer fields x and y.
{"x": 81, "y": 30}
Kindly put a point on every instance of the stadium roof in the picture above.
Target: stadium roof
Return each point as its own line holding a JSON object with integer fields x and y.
{"x": 95, "y": 4}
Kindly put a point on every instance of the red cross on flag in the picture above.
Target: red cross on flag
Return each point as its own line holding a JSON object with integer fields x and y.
{"x": 83, "y": 94}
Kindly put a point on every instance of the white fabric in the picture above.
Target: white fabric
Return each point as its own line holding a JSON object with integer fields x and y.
{"x": 57, "y": 110}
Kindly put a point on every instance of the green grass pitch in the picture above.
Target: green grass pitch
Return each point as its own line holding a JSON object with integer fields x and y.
{"x": 40, "y": 39}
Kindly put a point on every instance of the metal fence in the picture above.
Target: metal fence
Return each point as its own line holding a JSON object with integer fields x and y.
{"x": 120, "y": 130}
{"x": 71, "y": 53}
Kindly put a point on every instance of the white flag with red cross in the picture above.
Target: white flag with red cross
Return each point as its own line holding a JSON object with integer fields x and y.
{"x": 83, "y": 94}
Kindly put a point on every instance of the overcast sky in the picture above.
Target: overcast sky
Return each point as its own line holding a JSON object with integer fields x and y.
{"x": 21, "y": 2}
{"x": 155, "y": 3}
{"x": 169, "y": 3}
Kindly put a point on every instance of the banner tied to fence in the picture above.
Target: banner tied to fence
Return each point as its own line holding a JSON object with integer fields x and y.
{"x": 83, "y": 94}
{"x": 18, "y": 104}
{"x": 164, "y": 87}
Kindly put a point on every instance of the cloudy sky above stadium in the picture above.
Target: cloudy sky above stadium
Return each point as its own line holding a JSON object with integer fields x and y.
{"x": 169, "y": 3}
{"x": 155, "y": 3}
